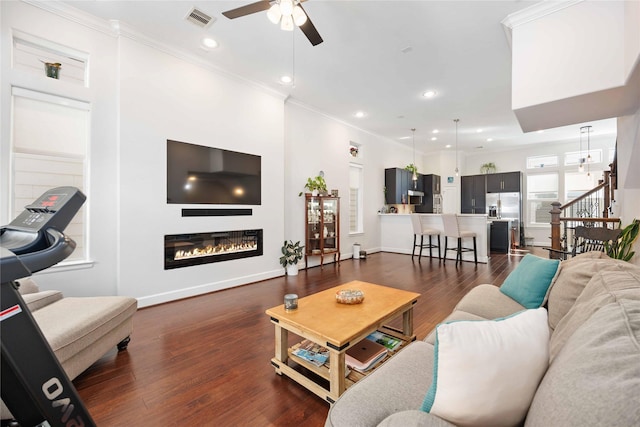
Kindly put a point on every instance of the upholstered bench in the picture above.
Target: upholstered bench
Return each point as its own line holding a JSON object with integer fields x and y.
{"x": 80, "y": 330}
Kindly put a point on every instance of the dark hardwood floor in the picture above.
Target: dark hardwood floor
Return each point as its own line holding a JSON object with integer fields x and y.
{"x": 205, "y": 361}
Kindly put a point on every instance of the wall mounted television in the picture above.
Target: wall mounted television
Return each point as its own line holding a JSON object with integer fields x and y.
{"x": 197, "y": 174}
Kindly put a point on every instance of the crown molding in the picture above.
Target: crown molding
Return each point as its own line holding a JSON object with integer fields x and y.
{"x": 532, "y": 13}
{"x": 117, "y": 29}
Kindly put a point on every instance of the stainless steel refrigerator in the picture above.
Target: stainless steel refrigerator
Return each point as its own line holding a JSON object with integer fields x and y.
{"x": 507, "y": 206}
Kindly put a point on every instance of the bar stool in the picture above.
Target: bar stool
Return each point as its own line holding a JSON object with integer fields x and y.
{"x": 420, "y": 230}
{"x": 452, "y": 229}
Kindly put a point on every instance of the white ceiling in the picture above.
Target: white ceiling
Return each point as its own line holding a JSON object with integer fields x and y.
{"x": 377, "y": 57}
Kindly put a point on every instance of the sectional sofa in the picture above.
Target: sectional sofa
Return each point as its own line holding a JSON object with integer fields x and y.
{"x": 573, "y": 362}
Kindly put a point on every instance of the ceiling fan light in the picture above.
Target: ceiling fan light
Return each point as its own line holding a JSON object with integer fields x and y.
{"x": 286, "y": 7}
{"x": 274, "y": 13}
{"x": 299, "y": 17}
{"x": 286, "y": 23}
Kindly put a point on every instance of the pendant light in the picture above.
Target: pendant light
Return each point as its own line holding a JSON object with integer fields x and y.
{"x": 457, "y": 170}
{"x": 581, "y": 159}
{"x": 414, "y": 177}
{"x": 588, "y": 150}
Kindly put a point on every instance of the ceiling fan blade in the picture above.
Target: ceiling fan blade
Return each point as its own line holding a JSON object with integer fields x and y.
{"x": 310, "y": 31}
{"x": 248, "y": 9}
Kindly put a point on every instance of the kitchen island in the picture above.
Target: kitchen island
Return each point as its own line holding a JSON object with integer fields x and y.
{"x": 397, "y": 234}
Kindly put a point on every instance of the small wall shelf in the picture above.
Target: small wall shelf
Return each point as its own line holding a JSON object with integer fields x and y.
{"x": 31, "y": 52}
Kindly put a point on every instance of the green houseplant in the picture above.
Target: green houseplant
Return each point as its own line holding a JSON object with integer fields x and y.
{"x": 622, "y": 248}
{"x": 315, "y": 184}
{"x": 488, "y": 168}
{"x": 291, "y": 254}
{"x": 411, "y": 168}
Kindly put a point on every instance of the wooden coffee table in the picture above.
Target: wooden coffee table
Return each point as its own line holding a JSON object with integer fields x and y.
{"x": 319, "y": 318}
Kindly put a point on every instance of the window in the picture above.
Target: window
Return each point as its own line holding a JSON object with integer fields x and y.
{"x": 548, "y": 161}
{"x": 49, "y": 149}
{"x": 573, "y": 158}
{"x": 355, "y": 199}
{"x": 542, "y": 190}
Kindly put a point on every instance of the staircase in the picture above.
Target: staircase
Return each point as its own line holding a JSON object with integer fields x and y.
{"x": 591, "y": 209}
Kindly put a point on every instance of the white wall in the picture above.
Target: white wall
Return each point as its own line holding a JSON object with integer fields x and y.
{"x": 628, "y": 193}
{"x": 162, "y": 97}
{"x": 315, "y": 142}
{"x": 100, "y": 278}
{"x": 576, "y": 64}
{"x": 140, "y": 97}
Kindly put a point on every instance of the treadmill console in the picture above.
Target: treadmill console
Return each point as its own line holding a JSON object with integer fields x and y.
{"x": 53, "y": 210}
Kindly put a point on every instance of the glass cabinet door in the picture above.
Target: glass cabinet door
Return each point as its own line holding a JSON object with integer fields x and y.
{"x": 314, "y": 226}
{"x": 329, "y": 225}
{"x": 322, "y": 234}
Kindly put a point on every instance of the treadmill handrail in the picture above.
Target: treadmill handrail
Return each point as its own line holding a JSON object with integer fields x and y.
{"x": 60, "y": 248}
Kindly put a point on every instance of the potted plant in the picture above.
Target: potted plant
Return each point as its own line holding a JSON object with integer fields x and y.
{"x": 488, "y": 168}
{"x": 412, "y": 168}
{"x": 291, "y": 254}
{"x": 315, "y": 185}
{"x": 622, "y": 248}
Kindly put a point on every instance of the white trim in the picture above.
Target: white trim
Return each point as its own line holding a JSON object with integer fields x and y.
{"x": 531, "y": 13}
{"x": 206, "y": 288}
{"x": 52, "y": 99}
{"x": 119, "y": 29}
{"x": 68, "y": 266}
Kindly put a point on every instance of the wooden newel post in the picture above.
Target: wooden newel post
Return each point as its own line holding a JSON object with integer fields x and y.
{"x": 555, "y": 230}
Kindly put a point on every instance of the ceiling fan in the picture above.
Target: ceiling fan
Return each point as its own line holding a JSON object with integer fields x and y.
{"x": 288, "y": 13}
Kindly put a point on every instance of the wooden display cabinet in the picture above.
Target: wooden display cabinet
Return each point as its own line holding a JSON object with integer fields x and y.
{"x": 322, "y": 231}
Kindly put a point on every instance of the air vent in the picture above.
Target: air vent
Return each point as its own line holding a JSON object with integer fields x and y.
{"x": 199, "y": 18}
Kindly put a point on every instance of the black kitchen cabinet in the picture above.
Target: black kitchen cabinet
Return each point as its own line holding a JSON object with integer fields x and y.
{"x": 507, "y": 182}
{"x": 397, "y": 182}
{"x": 499, "y": 237}
{"x": 430, "y": 187}
{"x": 473, "y": 194}
{"x": 431, "y": 184}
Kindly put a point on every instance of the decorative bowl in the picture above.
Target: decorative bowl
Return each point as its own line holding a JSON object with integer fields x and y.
{"x": 349, "y": 296}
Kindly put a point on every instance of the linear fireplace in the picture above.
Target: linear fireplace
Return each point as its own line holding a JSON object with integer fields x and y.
{"x": 184, "y": 250}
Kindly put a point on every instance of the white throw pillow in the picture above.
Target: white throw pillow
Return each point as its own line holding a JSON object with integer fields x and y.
{"x": 486, "y": 373}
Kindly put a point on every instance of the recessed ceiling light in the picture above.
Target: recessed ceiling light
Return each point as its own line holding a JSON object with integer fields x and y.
{"x": 435, "y": 131}
{"x": 448, "y": 146}
{"x": 360, "y": 114}
{"x": 429, "y": 94}
{"x": 404, "y": 137}
{"x": 489, "y": 139}
{"x": 434, "y": 138}
{"x": 286, "y": 80}
{"x": 479, "y": 130}
{"x": 209, "y": 43}
{"x": 541, "y": 131}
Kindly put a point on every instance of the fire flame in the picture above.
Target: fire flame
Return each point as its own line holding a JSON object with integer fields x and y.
{"x": 210, "y": 250}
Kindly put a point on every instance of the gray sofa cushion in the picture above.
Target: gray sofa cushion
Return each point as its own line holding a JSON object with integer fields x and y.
{"x": 456, "y": 315}
{"x": 414, "y": 419}
{"x": 398, "y": 385}
{"x": 488, "y": 302}
{"x": 595, "y": 379}
{"x": 574, "y": 275}
{"x": 619, "y": 280}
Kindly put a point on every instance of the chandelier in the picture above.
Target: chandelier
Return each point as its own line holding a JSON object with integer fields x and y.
{"x": 287, "y": 13}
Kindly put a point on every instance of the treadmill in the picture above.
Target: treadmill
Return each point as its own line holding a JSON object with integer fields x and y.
{"x": 34, "y": 386}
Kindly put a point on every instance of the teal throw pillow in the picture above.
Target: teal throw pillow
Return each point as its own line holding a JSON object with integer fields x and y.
{"x": 529, "y": 283}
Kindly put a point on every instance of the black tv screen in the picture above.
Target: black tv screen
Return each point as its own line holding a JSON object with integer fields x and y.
{"x": 205, "y": 175}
